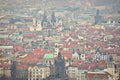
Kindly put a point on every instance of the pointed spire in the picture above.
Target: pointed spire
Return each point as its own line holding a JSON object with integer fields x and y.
{"x": 53, "y": 18}
{"x": 98, "y": 50}
{"x": 59, "y": 56}
{"x": 44, "y": 17}
{"x": 110, "y": 58}
{"x": 73, "y": 51}
{"x": 98, "y": 17}
{"x": 97, "y": 12}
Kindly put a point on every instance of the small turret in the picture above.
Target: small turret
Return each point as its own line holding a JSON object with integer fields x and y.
{"x": 83, "y": 55}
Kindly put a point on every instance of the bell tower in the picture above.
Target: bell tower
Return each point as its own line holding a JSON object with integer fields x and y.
{"x": 83, "y": 55}
{"x": 60, "y": 67}
{"x": 44, "y": 20}
{"x": 53, "y": 19}
{"x": 97, "y": 17}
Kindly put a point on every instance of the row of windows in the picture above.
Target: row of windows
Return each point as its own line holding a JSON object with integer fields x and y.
{"x": 38, "y": 76}
{"x": 33, "y": 76}
{"x": 37, "y": 69}
{"x": 39, "y": 73}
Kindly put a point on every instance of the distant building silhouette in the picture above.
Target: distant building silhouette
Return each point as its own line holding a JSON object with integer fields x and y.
{"x": 44, "y": 20}
{"x": 98, "y": 17}
{"x": 48, "y": 26}
{"x": 53, "y": 18}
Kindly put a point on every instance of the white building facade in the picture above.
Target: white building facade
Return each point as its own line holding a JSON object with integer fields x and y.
{"x": 38, "y": 72}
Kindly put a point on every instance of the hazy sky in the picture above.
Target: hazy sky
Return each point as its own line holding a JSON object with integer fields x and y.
{"x": 105, "y": 2}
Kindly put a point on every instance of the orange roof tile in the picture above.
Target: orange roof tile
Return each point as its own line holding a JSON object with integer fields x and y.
{"x": 39, "y": 51}
{"x": 30, "y": 58}
{"x": 76, "y": 63}
{"x": 100, "y": 75}
{"x": 66, "y": 54}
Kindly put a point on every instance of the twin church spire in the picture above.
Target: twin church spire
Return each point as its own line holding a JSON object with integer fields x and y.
{"x": 53, "y": 18}
{"x": 48, "y": 25}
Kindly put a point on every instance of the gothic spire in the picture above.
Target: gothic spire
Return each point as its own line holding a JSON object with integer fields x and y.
{"x": 44, "y": 17}
{"x": 59, "y": 56}
{"x": 53, "y": 18}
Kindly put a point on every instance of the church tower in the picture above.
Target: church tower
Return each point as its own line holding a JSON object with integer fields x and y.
{"x": 44, "y": 20}
{"x": 34, "y": 22}
{"x": 111, "y": 67}
{"x": 53, "y": 19}
{"x": 97, "y": 17}
{"x": 98, "y": 54}
{"x": 48, "y": 28}
{"x": 60, "y": 67}
{"x": 35, "y": 26}
{"x": 45, "y": 26}
{"x": 83, "y": 55}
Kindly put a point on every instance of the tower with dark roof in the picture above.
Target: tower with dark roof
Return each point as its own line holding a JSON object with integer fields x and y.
{"x": 97, "y": 17}
{"x": 98, "y": 54}
{"x": 48, "y": 26}
{"x": 44, "y": 20}
{"x": 60, "y": 67}
{"x": 83, "y": 54}
{"x": 53, "y": 18}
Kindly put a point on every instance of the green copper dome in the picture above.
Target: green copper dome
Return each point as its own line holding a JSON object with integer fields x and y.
{"x": 48, "y": 56}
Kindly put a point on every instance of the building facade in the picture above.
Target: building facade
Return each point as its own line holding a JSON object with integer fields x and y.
{"x": 72, "y": 73}
{"x": 38, "y": 72}
{"x": 75, "y": 73}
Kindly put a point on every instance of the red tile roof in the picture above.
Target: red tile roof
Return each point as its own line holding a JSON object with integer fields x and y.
{"x": 30, "y": 58}
{"x": 66, "y": 54}
{"x": 18, "y": 47}
{"x": 29, "y": 35}
{"x": 39, "y": 51}
{"x": 91, "y": 55}
{"x": 22, "y": 65}
{"x": 99, "y": 75}
{"x": 65, "y": 38}
{"x": 76, "y": 63}
{"x": 92, "y": 66}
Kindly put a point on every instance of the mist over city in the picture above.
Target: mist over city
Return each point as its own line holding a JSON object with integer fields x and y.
{"x": 59, "y": 39}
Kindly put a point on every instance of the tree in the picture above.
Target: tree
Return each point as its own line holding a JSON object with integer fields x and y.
{"x": 13, "y": 71}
